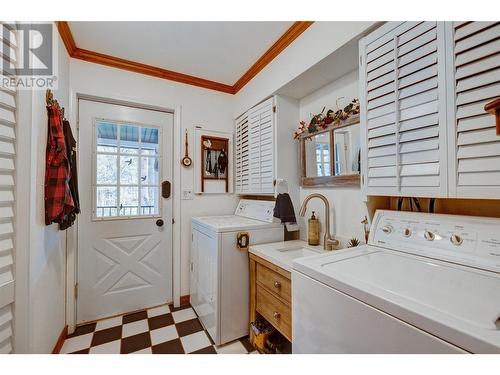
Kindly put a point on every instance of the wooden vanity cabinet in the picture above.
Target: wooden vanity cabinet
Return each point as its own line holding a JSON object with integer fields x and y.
{"x": 271, "y": 295}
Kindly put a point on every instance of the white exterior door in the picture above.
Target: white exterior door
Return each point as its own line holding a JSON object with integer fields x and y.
{"x": 125, "y": 251}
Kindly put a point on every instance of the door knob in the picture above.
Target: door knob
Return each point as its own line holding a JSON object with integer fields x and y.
{"x": 160, "y": 222}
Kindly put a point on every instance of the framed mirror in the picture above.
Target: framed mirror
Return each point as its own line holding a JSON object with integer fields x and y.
{"x": 331, "y": 157}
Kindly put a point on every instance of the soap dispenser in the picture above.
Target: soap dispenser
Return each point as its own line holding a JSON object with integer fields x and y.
{"x": 313, "y": 230}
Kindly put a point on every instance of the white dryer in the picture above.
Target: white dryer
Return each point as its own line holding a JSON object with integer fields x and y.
{"x": 425, "y": 283}
{"x": 219, "y": 282}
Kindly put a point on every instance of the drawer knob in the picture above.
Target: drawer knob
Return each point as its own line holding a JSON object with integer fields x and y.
{"x": 277, "y": 284}
{"x": 276, "y": 315}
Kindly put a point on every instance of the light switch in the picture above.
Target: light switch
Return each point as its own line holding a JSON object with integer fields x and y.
{"x": 187, "y": 194}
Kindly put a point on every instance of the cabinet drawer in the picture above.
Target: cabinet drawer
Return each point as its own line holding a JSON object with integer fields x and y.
{"x": 274, "y": 282}
{"x": 275, "y": 311}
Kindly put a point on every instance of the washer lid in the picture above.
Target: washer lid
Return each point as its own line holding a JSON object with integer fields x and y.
{"x": 231, "y": 223}
{"x": 439, "y": 297}
{"x": 256, "y": 209}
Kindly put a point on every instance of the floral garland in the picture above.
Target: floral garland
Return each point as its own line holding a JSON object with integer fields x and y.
{"x": 321, "y": 120}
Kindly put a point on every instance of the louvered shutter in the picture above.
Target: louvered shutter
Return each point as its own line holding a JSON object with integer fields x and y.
{"x": 261, "y": 148}
{"x": 7, "y": 169}
{"x": 254, "y": 150}
{"x": 242, "y": 157}
{"x": 403, "y": 110}
{"x": 476, "y": 62}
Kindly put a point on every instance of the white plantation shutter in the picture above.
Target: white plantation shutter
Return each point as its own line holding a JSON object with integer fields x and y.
{"x": 242, "y": 157}
{"x": 7, "y": 169}
{"x": 403, "y": 109}
{"x": 261, "y": 148}
{"x": 476, "y": 62}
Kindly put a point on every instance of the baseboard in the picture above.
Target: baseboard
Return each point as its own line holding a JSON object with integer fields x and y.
{"x": 60, "y": 340}
{"x": 184, "y": 300}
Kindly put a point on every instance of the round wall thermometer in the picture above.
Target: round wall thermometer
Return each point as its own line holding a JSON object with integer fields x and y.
{"x": 186, "y": 160}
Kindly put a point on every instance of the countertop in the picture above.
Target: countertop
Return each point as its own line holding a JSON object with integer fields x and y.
{"x": 283, "y": 253}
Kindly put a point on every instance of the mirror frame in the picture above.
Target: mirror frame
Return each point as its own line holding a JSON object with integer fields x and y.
{"x": 327, "y": 181}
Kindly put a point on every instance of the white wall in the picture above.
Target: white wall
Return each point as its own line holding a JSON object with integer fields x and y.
{"x": 316, "y": 43}
{"x": 312, "y": 46}
{"x": 45, "y": 299}
{"x": 41, "y": 249}
{"x": 48, "y": 263}
{"x": 347, "y": 204}
{"x": 210, "y": 109}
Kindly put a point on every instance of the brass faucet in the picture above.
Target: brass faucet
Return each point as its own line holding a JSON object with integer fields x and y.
{"x": 329, "y": 243}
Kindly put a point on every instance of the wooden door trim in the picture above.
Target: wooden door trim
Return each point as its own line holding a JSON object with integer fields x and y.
{"x": 283, "y": 42}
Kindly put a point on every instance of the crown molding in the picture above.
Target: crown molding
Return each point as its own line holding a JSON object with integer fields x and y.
{"x": 99, "y": 58}
{"x": 284, "y": 41}
{"x": 67, "y": 37}
{"x": 116, "y": 62}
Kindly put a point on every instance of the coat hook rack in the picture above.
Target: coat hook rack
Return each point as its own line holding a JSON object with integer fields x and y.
{"x": 49, "y": 100}
{"x": 49, "y": 97}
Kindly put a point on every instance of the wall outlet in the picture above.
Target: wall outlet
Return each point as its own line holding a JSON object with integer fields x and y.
{"x": 187, "y": 194}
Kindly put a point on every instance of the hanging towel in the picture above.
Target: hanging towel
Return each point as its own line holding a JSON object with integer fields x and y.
{"x": 283, "y": 209}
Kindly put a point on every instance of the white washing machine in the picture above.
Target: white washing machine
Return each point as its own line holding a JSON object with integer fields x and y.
{"x": 425, "y": 283}
{"x": 219, "y": 283}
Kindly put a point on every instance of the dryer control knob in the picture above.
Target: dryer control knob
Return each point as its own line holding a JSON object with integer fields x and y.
{"x": 407, "y": 232}
{"x": 429, "y": 236}
{"x": 456, "y": 239}
{"x": 387, "y": 229}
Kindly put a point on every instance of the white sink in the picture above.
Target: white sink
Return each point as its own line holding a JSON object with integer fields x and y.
{"x": 283, "y": 254}
{"x": 298, "y": 252}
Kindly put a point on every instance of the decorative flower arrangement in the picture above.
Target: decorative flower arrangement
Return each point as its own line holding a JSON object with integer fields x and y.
{"x": 321, "y": 120}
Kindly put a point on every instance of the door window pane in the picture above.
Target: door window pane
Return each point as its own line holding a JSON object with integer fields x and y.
{"x": 127, "y": 168}
{"x": 149, "y": 200}
{"x": 129, "y": 139}
{"x": 107, "y": 198}
{"x": 107, "y": 137}
{"x": 129, "y": 201}
{"x": 149, "y": 141}
{"x": 106, "y": 169}
{"x": 149, "y": 171}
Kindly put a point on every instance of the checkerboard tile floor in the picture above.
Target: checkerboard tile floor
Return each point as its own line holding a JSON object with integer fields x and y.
{"x": 161, "y": 330}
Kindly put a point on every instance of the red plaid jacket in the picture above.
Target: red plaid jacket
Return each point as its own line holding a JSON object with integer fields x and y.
{"x": 58, "y": 199}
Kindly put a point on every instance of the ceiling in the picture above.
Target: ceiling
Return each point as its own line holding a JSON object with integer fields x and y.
{"x": 331, "y": 68}
{"x": 216, "y": 51}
